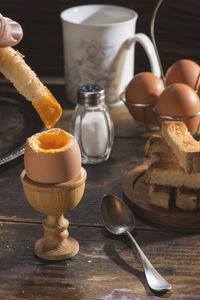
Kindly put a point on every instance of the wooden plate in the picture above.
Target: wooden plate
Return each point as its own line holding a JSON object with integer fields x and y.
{"x": 135, "y": 193}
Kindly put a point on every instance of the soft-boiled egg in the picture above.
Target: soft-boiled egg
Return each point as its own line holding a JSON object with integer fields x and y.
{"x": 52, "y": 156}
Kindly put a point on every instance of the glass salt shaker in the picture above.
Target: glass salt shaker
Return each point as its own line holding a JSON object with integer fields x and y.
{"x": 92, "y": 125}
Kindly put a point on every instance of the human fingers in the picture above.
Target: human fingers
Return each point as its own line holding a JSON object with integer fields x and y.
{"x": 11, "y": 32}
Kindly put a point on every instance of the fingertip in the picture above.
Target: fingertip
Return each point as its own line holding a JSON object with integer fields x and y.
{"x": 16, "y": 32}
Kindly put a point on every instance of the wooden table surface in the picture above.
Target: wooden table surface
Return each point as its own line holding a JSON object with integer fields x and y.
{"x": 106, "y": 267}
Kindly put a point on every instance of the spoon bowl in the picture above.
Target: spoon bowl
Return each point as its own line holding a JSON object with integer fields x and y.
{"x": 116, "y": 215}
{"x": 118, "y": 219}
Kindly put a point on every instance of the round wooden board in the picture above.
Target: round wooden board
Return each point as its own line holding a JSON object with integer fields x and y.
{"x": 135, "y": 193}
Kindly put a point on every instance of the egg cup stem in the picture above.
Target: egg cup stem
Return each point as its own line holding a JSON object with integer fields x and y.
{"x": 56, "y": 243}
{"x": 54, "y": 200}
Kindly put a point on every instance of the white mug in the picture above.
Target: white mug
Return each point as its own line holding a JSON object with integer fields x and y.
{"x": 99, "y": 43}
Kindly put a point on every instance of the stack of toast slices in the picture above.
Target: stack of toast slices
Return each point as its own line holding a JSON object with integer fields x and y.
{"x": 173, "y": 174}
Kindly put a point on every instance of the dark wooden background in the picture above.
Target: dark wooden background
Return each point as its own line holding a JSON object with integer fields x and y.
{"x": 105, "y": 263}
{"x": 177, "y": 30}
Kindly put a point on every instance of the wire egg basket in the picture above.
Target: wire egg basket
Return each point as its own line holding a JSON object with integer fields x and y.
{"x": 145, "y": 110}
{"x": 158, "y": 118}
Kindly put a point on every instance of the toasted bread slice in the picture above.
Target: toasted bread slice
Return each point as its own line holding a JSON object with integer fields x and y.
{"x": 184, "y": 146}
{"x": 166, "y": 197}
{"x": 14, "y": 68}
{"x": 155, "y": 143}
{"x": 187, "y": 199}
{"x": 160, "y": 196}
{"x": 167, "y": 171}
{"x": 171, "y": 174}
{"x": 156, "y": 149}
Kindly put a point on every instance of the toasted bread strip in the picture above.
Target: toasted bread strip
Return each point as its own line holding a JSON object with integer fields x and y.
{"x": 14, "y": 68}
{"x": 187, "y": 199}
{"x": 156, "y": 149}
{"x": 168, "y": 172}
{"x": 183, "y": 198}
{"x": 171, "y": 175}
{"x": 155, "y": 143}
{"x": 159, "y": 196}
{"x": 184, "y": 146}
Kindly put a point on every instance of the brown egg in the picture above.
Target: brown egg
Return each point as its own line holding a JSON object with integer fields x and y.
{"x": 183, "y": 71}
{"x": 52, "y": 156}
{"x": 198, "y": 91}
{"x": 179, "y": 100}
{"x": 144, "y": 88}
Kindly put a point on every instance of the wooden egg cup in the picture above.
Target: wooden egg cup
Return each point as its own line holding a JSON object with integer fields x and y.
{"x": 54, "y": 200}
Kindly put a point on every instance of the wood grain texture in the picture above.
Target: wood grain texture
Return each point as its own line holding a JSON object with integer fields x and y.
{"x": 136, "y": 194}
{"x": 106, "y": 266}
{"x": 176, "y": 30}
{"x": 102, "y": 178}
{"x": 54, "y": 200}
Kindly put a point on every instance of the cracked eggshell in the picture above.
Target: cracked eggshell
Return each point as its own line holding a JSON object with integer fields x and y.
{"x": 52, "y": 157}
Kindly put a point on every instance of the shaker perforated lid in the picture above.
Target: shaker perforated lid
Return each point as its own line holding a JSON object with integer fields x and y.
{"x": 90, "y": 94}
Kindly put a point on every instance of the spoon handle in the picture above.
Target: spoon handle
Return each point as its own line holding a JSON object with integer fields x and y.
{"x": 155, "y": 281}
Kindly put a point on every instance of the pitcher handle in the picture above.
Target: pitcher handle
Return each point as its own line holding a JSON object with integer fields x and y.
{"x": 148, "y": 46}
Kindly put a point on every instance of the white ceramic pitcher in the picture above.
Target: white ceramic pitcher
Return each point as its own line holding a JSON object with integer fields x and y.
{"x": 99, "y": 45}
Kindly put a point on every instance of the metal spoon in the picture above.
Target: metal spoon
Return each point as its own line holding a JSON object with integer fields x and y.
{"x": 118, "y": 219}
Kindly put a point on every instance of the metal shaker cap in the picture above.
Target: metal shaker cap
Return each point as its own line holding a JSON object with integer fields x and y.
{"x": 90, "y": 94}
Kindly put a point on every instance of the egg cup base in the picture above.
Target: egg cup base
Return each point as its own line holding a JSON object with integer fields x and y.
{"x": 65, "y": 250}
{"x": 54, "y": 200}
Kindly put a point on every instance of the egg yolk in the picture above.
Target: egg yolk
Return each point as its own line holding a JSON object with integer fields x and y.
{"x": 53, "y": 140}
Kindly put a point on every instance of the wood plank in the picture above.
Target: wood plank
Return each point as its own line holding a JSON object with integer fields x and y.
{"x": 106, "y": 267}
{"x": 102, "y": 178}
{"x": 135, "y": 193}
{"x": 176, "y": 30}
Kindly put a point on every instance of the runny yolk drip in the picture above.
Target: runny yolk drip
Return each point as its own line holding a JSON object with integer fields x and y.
{"x": 48, "y": 109}
{"x": 51, "y": 141}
